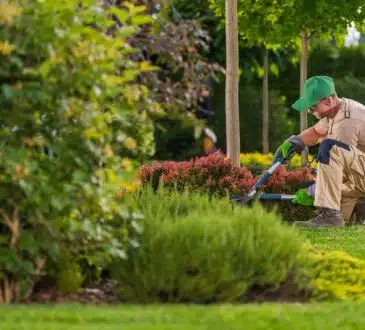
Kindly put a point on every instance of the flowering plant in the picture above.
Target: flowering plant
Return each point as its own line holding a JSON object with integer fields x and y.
{"x": 258, "y": 160}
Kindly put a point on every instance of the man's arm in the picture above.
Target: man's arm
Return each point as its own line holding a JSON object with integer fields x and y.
{"x": 313, "y": 135}
{"x": 310, "y": 137}
{"x": 297, "y": 143}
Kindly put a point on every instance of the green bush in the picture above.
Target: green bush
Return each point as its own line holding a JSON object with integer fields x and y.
{"x": 71, "y": 109}
{"x": 201, "y": 250}
{"x": 337, "y": 275}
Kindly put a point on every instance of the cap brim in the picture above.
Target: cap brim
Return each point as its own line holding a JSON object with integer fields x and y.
{"x": 301, "y": 105}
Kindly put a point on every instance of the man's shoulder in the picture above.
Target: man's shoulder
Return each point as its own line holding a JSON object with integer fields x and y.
{"x": 351, "y": 109}
{"x": 350, "y": 104}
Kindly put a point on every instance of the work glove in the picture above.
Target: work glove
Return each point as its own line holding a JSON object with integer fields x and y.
{"x": 287, "y": 149}
{"x": 305, "y": 196}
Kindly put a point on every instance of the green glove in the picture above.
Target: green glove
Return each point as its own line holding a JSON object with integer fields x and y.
{"x": 302, "y": 198}
{"x": 289, "y": 147}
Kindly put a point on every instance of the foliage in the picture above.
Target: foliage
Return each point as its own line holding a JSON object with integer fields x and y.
{"x": 70, "y": 107}
{"x": 213, "y": 174}
{"x": 260, "y": 23}
{"x": 288, "y": 181}
{"x": 316, "y": 20}
{"x": 69, "y": 279}
{"x": 340, "y": 62}
{"x": 199, "y": 10}
{"x": 336, "y": 275}
{"x": 275, "y": 24}
{"x": 180, "y": 83}
{"x": 213, "y": 253}
{"x": 178, "y": 48}
{"x": 250, "y": 103}
{"x": 178, "y": 138}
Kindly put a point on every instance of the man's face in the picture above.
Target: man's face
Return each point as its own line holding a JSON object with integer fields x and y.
{"x": 322, "y": 107}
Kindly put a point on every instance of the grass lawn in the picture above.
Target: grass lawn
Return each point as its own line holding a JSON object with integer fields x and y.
{"x": 269, "y": 316}
{"x": 350, "y": 239}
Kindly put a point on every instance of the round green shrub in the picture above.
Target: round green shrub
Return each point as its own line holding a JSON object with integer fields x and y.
{"x": 336, "y": 275}
{"x": 205, "y": 250}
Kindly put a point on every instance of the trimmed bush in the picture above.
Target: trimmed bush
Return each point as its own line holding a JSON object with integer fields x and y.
{"x": 203, "y": 250}
{"x": 214, "y": 174}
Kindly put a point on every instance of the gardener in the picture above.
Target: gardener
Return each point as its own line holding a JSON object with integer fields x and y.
{"x": 340, "y": 133}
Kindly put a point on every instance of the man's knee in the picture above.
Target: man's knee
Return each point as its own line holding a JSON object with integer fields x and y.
{"x": 324, "y": 151}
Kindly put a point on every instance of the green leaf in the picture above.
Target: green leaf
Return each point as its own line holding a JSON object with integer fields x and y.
{"x": 141, "y": 20}
{"x": 121, "y": 14}
{"x": 28, "y": 243}
{"x": 127, "y": 31}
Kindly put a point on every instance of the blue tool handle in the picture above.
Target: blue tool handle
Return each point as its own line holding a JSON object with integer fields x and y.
{"x": 266, "y": 176}
{"x": 276, "y": 196}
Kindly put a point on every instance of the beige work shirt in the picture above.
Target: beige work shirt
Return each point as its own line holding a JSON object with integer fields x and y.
{"x": 348, "y": 126}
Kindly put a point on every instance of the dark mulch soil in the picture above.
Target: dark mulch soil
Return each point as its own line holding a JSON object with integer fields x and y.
{"x": 102, "y": 294}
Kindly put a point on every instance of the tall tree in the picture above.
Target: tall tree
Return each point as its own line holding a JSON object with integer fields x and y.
{"x": 265, "y": 103}
{"x": 259, "y": 27}
{"x": 232, "y": 80}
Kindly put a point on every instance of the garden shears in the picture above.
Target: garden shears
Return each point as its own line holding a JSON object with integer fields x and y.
{"x": 255, "y": 194}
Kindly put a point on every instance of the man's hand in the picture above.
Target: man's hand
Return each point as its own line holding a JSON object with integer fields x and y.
{"x": 287, "y": 149}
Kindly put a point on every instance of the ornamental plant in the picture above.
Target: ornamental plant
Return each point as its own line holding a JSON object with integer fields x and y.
{"x": 214, "y": 174}
{"x": 258, "y": 160}
{"x": 69, "y": 101}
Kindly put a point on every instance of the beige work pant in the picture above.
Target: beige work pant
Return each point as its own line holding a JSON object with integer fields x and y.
{"x": 341, "y": 180}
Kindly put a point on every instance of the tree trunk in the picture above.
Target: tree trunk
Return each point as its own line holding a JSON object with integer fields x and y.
{"x": 303, "y": 78}
{"x": 265, "y": 103}
{"x": 232, "y": 110}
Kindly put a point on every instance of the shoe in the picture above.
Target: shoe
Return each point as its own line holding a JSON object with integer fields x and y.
{"x": 359, "y": 212}
{"x": 325, "y": 218}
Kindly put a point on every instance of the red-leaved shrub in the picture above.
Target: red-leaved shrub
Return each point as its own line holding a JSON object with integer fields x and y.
{"x": 284, "y": 181}
{"x": 216, "y": 175}
{"x": 213, "y": 173}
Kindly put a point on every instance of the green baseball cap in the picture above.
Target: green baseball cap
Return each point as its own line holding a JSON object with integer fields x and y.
{"x": 315, "y": 89}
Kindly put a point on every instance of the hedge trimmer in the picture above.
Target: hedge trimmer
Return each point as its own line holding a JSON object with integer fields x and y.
{"x": 302, "y": 196}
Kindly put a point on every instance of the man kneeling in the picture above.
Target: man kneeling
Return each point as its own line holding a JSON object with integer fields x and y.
{"x": 340, "y": 133}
